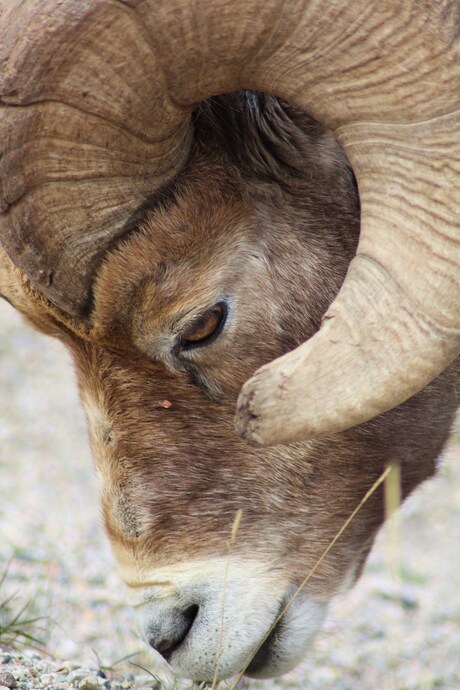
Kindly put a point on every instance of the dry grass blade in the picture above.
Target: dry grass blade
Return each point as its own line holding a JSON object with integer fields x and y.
{"x": 112, "y": 665}
{"x": 371, "y": 491}
{"x": 393, "y": 501}
{"x": 143, "y": 668}
{"x": 233, "y": 534}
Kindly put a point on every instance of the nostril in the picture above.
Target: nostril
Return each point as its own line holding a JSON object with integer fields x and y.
{"x": 165, "y": 646}
{"x": 178, "y": 629}
{"x": 190, "y": 615}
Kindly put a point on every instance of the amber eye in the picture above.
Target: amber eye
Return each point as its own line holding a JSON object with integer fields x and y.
{"x": 205, "y": 328}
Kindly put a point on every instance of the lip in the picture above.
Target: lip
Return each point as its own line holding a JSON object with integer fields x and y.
{"x": 287, "y": 640}
{"x": 263, "y": 654}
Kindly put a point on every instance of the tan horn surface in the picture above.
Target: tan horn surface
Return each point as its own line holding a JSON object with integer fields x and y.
{"x": 89, "y": 133}
{"x": 396, "y": 322}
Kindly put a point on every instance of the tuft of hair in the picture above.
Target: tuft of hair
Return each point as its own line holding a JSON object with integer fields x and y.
{"x": 267, "y": 138}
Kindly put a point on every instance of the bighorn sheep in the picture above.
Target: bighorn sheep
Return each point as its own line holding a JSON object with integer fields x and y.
{"x": 176, "y": 248}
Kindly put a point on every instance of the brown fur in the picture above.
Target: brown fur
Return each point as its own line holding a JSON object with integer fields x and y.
{"x": 270, "y": 226}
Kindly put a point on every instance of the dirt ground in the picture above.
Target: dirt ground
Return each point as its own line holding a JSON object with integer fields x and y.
{"x": 384, "y": 635}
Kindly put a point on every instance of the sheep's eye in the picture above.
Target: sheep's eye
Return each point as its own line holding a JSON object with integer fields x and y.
{"x": 205, "y": 328}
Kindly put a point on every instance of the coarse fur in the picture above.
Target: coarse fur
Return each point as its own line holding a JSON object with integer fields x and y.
{"x": 265, "y": 216}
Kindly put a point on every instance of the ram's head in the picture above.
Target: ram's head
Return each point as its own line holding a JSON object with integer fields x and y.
{"x": 185, "y": 244}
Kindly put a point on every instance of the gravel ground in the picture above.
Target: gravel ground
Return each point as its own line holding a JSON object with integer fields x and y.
{"x": 389, "y": 633}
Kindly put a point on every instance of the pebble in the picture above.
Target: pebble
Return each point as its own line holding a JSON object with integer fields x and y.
{"x": 89, "y": 683}
{"x": 77, "y": 675}
{"x": 8, "y": 680}
{"x": 22, "y": 675}
{"x": 33, "y": 672}
{"x": 68, "y": 666}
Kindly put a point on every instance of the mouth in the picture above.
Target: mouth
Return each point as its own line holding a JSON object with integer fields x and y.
{"x": 264, "y": 655}
{"x": 291, "y": 635}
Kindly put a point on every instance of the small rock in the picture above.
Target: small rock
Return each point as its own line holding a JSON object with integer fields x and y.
{"x": 22, "y": 675}
{"x": 47, "y": 678}
{"x": 89, "y": 683}
{"x": 77, "y": 675}
{"x": 3, "y": 687}
{"x": 60, "y": 678}
{"x": 8, "y": 680}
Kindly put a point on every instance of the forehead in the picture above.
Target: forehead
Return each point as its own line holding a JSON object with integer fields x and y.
{"x": 179, "y": 256}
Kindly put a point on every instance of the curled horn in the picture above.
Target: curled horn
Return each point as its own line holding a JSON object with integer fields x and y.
{"x": 95, "y": 103}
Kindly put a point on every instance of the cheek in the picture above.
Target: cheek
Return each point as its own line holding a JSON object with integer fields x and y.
{"x": 101, "y": 433}
{"x": 121, "y": 510}
{"x": 120, "y": 495}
